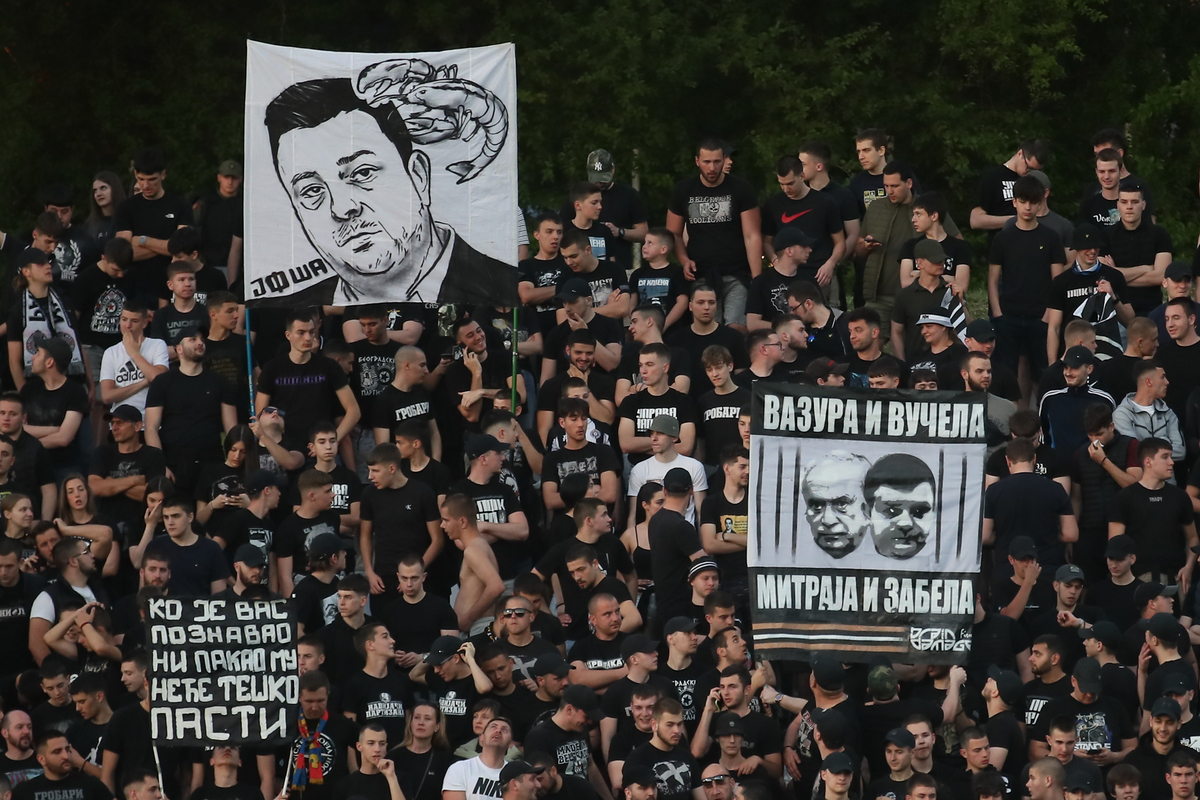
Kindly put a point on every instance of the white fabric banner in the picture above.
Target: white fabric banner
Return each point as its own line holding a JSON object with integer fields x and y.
{"x": 381, "y": 177}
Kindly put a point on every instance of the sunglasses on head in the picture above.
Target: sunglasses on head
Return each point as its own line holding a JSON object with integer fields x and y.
{"x": 515, "y": 612}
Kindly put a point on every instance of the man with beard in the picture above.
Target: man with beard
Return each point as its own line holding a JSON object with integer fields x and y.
{"x": 676, "y": 769}
{"x": 834, "y": 505}
{"x": 863, "y": 328}
{"x": 17, "y": 762}
{"x": 900, "y": 491}
{"x": 59, "y": 777}
{"x": 794, "y": 355}
{"x": 553, "y": 786}
{"x": 976, "y": 373}
{"x": 76, "y": 585}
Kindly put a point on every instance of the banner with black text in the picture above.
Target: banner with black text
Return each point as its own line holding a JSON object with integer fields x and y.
{"x": 222, "y": 671}
{"x": 865, "y": 520}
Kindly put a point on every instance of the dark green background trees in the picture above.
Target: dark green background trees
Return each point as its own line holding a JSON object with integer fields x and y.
{"x": 959, "y": 82}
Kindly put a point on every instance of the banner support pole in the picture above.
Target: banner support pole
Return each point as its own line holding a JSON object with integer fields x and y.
{"x": 249, "y": 364}
{"x": 516, "y": 398}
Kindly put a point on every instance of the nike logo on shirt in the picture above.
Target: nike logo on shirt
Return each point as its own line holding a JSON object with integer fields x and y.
{"x": 792, "y": 217}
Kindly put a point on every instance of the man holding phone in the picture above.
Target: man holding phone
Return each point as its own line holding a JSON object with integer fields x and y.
{"x": 923, "y": 296}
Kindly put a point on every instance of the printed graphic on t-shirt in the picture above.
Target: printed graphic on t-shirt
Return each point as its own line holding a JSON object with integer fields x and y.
{"x": 1006, "y": 187}
{"x": 106, "y": 316}
{"x": 599, "y": 248}
{"x": 871, "y": 195}
{"x": 1093, "y": 732}
{"x": 601, "y": 289}
{"x": 128, "y": 374}
{"x": 68, "y": 259}
{"x": 779, "y": 299}
{"x": 710, "y": 210}
{"x": 374, "y": 374}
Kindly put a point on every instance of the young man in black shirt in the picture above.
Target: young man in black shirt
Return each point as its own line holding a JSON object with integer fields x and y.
{"x": 1068, "y": 614}
{"x": 1091, "y": 291}
{"x": 328, "y": 736}
{"x": 933, "y": 292}
{"x": 1108, "y": 726}
{"x": 724, "y": 523}
{"x": 1158, "y": 517}
{"x": 564, "y": 735}
{"x": 667, "y": 755}
{"x": 147, "y": 220}
{"x": 1022, "y": 263}
{"x": 315, "y": 596}
{"x": 308, "y": 386}
{"x": 674, "y": 544}
{"x": 417, "y": 617}
{"x": 586, "y": 204}
{"x": 607, "y": 284}
{"x": 997, "y": 188}
{"x": 719, "y": 409}
{"x": 198, "y": 567}
{"x": 580, "y": 316}
{"x": 380, "y": 692}
{"x": 646, "y": 327}
{"x": 452, "y": 674}
{"x": 297, "y": 532}
{"x": 928, "y": 212}
{"x": 578, "y": 455}
{"x": 182, "y": 311}
{"x": 481, "y": 371}
{"x": 1100, "y": 206}
{"x": 60, "y": 777}
{"x": 399, "y": 516}
{"x": 406, "y": 398}
{"x": 657, "y": 397}
{"x": 1140, "y": 249}
{"x": 225, "y": 350}
{"x": 188, "y": 408}
{"x": 720, "y": 214}
{"x": 814, "y": 213}
{"x": 55, "y": 406}
{"x": 704, "y": 332}
{"x": 376, "y": 778}
{"x": 374, "y": 359}
{"x": 768, "y": 292}
{"x": 540, "y": 274}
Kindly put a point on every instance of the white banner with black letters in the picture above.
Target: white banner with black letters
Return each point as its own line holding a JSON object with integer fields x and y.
{"x": 865, "y": 521}
{"x": 222, "y": 671}
{"x": 381, "y": 177}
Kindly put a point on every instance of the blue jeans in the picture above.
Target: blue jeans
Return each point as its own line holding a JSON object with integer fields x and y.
{"x": 1021, "y": 336}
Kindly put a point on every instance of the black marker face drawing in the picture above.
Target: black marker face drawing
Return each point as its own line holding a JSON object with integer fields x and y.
{"x": 900, "y": 491}
{"x": 363, "y": 205}
{"x": 834, "y": 505}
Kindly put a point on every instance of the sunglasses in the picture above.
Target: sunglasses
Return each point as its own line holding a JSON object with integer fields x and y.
{"x": 516, "y": 612}
{"x": 718, "y": 780}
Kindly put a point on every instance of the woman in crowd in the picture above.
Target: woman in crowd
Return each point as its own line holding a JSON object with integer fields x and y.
{"x": 219, "y": 489}
{"x": 18, "y": 524}
{"x": 107, "y": 194}
{"x": 157, "y": 490}
{"x": 424, "y": 755}
{"x": 637, "y": 542}
{"x": 77, "y": 516}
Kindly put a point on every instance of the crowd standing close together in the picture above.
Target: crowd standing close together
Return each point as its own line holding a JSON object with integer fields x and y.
{"x": 531, "y": 582}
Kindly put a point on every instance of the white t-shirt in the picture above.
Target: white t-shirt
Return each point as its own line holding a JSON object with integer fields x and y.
{"x": 654, "y": 470}
{"x": 43, "y": 605}
{"x": 476, "y": 779}
{"x": 119, "y": 368}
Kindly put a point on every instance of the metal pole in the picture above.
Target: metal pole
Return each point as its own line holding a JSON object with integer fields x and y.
{"x": 249, "y": 364}
{"x": 516, "y": 399}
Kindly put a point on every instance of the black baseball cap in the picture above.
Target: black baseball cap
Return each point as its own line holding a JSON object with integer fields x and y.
{"x": 1174, "y": 683}
{"x": 1079, "y": 781}
{"x": 637, "y": 775}
{"x": 901, "y": 737}
{"x": 189, "y": 331}
{"x": 637, "y": 643}
{"x": 1068, "y": 573}
{"x": 827, "y": 671}
{"x": 584, "y": 698}
{"x": 980, "y": 330}
{"x": 727, "y": 724}
{"x": 1022, "y": 548}
{"x": 482, "y": 443}
{"x": 325, "y": 545}
{"x": 125, "y": 412}
{"x": 1179, "y": 271}
{"x": 1008, "y": 683}
{"x": 1150, "y": 590}
{"x": 550, "y": 664}
{"x": 1088, "y": 675}
{"x": 790, "y": 237}
{"x": 260, "y": 479}
{"x": 679, "y": 625}
{"x": 515, "y": 769}
{"x": 822, "y": 367}
{"x": 1166, "y": 707}
{"x": 1120, "y": 547}
{"x": 573, "y": 289}
{"x": 677, "y": 481}
{"x": 250, "y": 555}
{"x": 1161, "y": 626}
{"x": 1078, "y": 356}
{"x": 442, "y": 649}
{"x": 837, "y": 763}
{"x": 1104, "y": 632}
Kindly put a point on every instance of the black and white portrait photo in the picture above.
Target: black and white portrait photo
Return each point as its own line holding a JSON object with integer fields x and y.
{"x": 381, "y": 178}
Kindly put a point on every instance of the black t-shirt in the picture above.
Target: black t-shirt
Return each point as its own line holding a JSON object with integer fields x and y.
{"x": 49, "y": 407}
{"x": 226, "y": 359}
{"x": 867, "y": 188}
{"x": 384, "y": 700}
{"x": 1116, "y": 601}
{"x": 642, "y": 407}
{"x": 239, "y": 791}
{"x": 719, "y": 421}
{"x": 1099, "y": 725}
{"x": 995, "y": 639}
{"x": 601, "y": 385}
{"x": 368, "y": 787}
{"x": 526, "y": 656}
{"x": 307, "y": 392}
{"x": 169, "y": 320}
{"x": 295, "y": 533}
{"x": 713, "y": 218}
{"x": 1047, "y": 622}
{"x": 600, "y": 238}
{"x": 15, "y": 603}
{"x": 399, "y": 520}
{"x": 1180, "y": 365}
{"x": 1074, "y": 294}
{"x": 421, "y": 774}
{"x": 731, "y": 518}
{"x": 435, "y": 475}
{"x": 544, "y": 273}
{"x": 1132, "y": 248}
{"x": 1099, "y": 210}
{"x": 684, "y": 682}
{"x": 129, "y": 737}
{"x": 49, "y": 717}
{"x": 1047, "y": 463}
{"x": 1028, "y": 505}
{"x": 245, "y": 527}
{"x": 817, "y": 215}
{"x": 606, "y": 331}
{"x": 1038, "y": 693}
{"x": 316, "y": 603}
{"x": 995, "y": 191}
{"x": 612, "y": 557}
{"x": 155, "y": 219}
{"x": 676, "y": 770}
{"x": 85, "y": 738}
{"x": 673, "y": 540}
{"x": 347, "y": 489}
{"x": 628, "y": 367}
{"x": 218, "y": 479}
{"x": 1155, "y": 518}
{"x": 660, "y": 287}
{"x": 495, "y": 502}
{"x": 457, "y": 699}
{"x": 1025, "y": 258}
{"x": 568, "y": 748}
{"x": 193, "y": 568}
{"x": 768, "y": 294}
{"x": 32, "y": 470}
{"x": 99, "y": 299}
{"x": 76, "y": 786}
{"x": 191, "y": 412}
{"x": 591, "y": 459}
{"x": 1041, "y": 597}
{"x": 597, "y": 653}
{"x": 958, "y": 252}
{"x": 392, "y": 406}
{"x": 605, "y": 279}
{"x": 497, "y": 369}
{"x": 374, "y": 368}
{"x": 695, "y": 344}
{"x": 414, "y": 626}
{"x": 617, "y": 697}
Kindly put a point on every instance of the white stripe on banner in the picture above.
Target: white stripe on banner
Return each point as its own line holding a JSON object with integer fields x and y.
{"x": 825, "y": 637}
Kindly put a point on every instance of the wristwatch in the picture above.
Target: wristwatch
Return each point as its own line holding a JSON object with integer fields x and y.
{"x": 142, "y": 241}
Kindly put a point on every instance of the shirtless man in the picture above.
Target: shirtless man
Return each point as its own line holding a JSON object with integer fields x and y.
{"x": 479, "y": 579}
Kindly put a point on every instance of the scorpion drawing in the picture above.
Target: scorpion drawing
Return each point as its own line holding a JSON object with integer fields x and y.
{"x": 438, "y": 105}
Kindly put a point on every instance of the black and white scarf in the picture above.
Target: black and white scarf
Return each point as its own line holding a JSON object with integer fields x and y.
{"x": 37, "y": 328}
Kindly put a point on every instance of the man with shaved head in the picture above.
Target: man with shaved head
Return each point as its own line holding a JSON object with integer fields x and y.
{"x": 406, "y": 398}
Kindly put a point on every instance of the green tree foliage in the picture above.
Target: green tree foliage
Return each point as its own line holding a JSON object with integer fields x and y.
{"x": 958, "y": 82}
